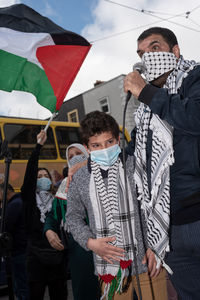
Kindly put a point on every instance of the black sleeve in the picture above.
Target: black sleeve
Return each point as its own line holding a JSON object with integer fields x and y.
{"x": 147, "y": 94}
{"x": 30, "y": 177}
{"x": 181, "y": 110}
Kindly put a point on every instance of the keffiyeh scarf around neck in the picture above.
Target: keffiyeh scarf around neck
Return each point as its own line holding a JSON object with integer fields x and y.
{"x": 156, "y": 202}
{"x": 111, "y": 219}
{"x": 44, "y": 201}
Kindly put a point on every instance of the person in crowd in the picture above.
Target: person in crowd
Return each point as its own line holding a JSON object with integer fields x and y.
{"x": 15, "y": 227}
{"x": 166, "y": 144}
{"x": 46, "y": 266}
{"x": 81, "y": 267}
{"x": 65, "y": 172}
{"x": 114, "y": 229}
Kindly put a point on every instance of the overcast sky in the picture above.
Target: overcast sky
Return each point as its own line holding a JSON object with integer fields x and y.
{"x": 113, "y": 30}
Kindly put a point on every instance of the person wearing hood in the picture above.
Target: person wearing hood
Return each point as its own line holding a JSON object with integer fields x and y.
{"x": 46, "y": 266}
{"x": 84, "y": 283}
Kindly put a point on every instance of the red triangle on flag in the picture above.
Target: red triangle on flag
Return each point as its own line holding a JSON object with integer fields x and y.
{"x": 61, "y": 64}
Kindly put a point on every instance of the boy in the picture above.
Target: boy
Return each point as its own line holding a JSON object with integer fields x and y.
{"x": 98, "y": 188}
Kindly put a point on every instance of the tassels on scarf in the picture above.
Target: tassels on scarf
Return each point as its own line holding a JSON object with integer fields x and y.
{"x": 114, "y": 284}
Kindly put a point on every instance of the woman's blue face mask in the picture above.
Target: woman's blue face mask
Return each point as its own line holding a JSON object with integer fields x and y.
{"x": 106, "y": 157}
{"x": 44, "y": 184}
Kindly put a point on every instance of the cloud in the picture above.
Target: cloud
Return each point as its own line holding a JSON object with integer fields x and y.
{"x": 21, "y": 104}
{"x": 116, "y": 55}
{"x": 4, "y": 3}
{"x": 49, "y": 11}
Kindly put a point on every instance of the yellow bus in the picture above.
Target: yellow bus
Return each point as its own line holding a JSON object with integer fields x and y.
{"x": 21, "y": 136}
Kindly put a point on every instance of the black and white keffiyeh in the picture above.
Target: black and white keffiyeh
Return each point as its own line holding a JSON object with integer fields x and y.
{"x": 112, "y": 217}
{"x": 157, "y": 64}
{"x": 44, "y": 201}
{"x": 175, "y": 79}
{"x": 156, "y": 202}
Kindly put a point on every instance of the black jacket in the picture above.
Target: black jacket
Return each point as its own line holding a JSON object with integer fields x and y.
{"x": 182, "y": 111}
{"x": 15, "y": 225}
{"x": 32, "y": 213}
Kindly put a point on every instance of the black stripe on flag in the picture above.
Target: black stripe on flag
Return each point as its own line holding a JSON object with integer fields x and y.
{"x": 21, "y": 17}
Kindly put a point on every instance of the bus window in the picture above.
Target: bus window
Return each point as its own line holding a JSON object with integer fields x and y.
{"x": 65, "y": 137}
{"x": 22, "y": 140}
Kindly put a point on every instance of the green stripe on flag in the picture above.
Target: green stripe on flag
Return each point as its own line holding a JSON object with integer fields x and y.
{"x": 17, "y": 73}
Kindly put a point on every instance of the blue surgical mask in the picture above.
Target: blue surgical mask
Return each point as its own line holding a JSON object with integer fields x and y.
{"x": 107, "y": 156}
{"x": 44, "y": 184}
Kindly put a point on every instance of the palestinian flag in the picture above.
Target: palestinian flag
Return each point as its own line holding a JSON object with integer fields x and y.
{"x": 38, "y": 56}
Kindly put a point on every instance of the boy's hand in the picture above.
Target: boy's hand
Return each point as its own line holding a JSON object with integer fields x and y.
{"x": 106, "y": 251}
{"x": 54, "y": 240}
{"x": 150, "y": 260}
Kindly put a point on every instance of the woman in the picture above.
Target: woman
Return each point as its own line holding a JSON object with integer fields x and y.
{"x": 46, "y": 266}
{"x": 84, "y": 283}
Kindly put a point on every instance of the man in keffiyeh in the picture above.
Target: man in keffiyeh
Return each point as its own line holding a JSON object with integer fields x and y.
{"x": 166, "y": 146}
{"x": 114, "y": 228}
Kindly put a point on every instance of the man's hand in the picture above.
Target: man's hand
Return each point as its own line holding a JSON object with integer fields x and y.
{"x": 150, "y": 260}
{"x": 104, "y": 250}
{"x": 42, "y": 137}
{"x": 134, "y": 83}
{"x": 54, "y": 240}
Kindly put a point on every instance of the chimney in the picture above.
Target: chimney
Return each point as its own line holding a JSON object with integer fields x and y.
{"x": 98, "y": 82}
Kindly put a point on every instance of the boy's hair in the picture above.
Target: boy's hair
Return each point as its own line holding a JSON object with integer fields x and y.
{"x": 166, "y": 33}
{"x": 97, "y": 122}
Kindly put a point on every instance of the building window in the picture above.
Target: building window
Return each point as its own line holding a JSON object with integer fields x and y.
{"x": 73, "y": 116}
{"x": 104, "y": 104}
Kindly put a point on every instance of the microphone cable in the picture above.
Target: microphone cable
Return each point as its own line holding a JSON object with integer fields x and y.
{"x": 128, "y": 96}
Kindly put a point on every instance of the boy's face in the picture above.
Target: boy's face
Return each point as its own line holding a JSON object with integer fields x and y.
{"x": 101, "y": 141}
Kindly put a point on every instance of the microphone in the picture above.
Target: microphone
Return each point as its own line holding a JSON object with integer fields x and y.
{"x": 140, "y": 68}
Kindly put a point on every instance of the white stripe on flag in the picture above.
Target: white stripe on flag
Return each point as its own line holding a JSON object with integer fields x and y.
{"x": 24, "y": 44}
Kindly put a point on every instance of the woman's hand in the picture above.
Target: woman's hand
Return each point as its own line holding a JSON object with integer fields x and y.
{"x": 42, "y": 137}
{"x": 54, "y": 240}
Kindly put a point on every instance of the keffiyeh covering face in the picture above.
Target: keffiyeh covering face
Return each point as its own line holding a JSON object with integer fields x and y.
{"x": 81, "y": 148}
{"x": 157, "y": 64}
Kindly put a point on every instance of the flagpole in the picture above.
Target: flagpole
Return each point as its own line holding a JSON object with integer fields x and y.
{"x": 47, "y": 126}
{"x": 49, "y": 122}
